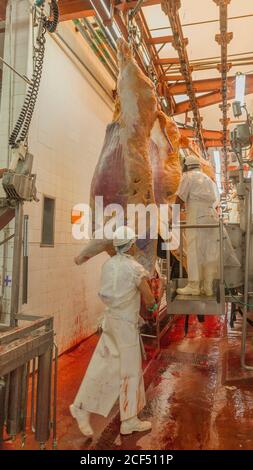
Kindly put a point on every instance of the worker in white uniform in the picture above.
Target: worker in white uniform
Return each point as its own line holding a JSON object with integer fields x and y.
{"x": 115, "y": 370}
{"x": 197, "y": 193}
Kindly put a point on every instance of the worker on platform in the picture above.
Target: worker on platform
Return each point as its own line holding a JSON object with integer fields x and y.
{"x": 115, "y": 370}
{"x": 197, "y": 193}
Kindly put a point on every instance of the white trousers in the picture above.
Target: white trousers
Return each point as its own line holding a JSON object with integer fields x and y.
{"x": 115, "y": 371}
{"x": 202, "y": 244}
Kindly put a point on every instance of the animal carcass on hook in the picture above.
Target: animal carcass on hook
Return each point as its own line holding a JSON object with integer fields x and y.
{"x": 123, "y": 174}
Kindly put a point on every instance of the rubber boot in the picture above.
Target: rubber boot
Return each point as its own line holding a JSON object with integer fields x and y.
{"x": 192, "y": 288}
{"x": 83, "y": 420}
{"x": 208, "y": 287}
{"x": 134, "y": 425}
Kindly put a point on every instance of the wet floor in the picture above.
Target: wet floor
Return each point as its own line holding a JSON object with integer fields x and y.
{"x": 198, "y": 397}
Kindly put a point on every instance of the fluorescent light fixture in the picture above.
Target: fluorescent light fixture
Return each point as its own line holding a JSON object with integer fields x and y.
{"x": 240, "y": 83}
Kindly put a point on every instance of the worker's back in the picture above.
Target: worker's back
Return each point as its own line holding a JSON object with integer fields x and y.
{"x": 120, "y": 278}
{"x": 197, "y": 186}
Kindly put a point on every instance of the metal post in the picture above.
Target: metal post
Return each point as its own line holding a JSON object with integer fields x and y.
{"x": 43, "y": 398}
{"x": 14, "y": 405}
{"x": 222, "y": 283}
{"x": 33, "y": 395}
{"x": 17, "y": 250}
{"x": 25, "y": 261}
{"x": 181, "y": 248}
{"x": 168, "y": 287}
{"x": 55, "y": 395}
{"x": 246, "y": 278}
{"x": 2, "y": 411}
{"x": 24, "y": 398}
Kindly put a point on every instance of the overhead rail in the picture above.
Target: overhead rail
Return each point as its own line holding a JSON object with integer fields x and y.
{"x": 170, "y": 8}
{"x": 223, "y": 40}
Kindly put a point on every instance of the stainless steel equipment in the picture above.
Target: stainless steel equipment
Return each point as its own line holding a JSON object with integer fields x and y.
{"x": 18, "y": 347}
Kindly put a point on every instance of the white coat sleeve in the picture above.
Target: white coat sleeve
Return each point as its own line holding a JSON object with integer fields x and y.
{"x": 139, "y": 273}
{"x": 184, "y": 188}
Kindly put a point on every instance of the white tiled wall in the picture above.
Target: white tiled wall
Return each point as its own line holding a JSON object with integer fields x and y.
{"x": 66, "y": 136}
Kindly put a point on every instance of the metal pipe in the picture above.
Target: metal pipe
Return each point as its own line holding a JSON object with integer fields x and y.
{"x": 43, "y": 406}
{"x": 100, "y": 44}
{"x": 33, "y": 395}
{"x": 197, "y": 226}
{"x": 95, "y": 49}
{"x": 16, "y": 268}
{"x": 2, "y": 410}
{"x": 136, "y": 8}
{"x": 221, "y": 251}
{"x": 246, "y": 278}
{"x": 168, "y": 293}
{"x": 110, "y": 43}
{"x": 14, "y": 404}
{"x": 55, "y": 397}
{"x": 25, "y": 261}
{"x": 25, "y": 385}
{"x": 181, "y": 255}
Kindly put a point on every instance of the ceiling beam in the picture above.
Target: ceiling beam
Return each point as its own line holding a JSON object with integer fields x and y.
{"x": 172, "y": 60}
{"x": 73, "y": 9}
{"x": 171, "y": 78}
{"x": 200, "y": 86}
{"x": 213, "y": 98}
{"x": 160, "y": 40}
{"x": 207, "y": 134}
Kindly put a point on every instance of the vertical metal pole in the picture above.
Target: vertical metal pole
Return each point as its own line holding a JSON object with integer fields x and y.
{"x": 33, "y": 395}
{"x": 181, "y": 248}
{"x": 25, "y": 261}
{"x": 44, "y": 397}
{"x": 2, "y": 410}
{"x": 55, "y": 394}
{"x": 222, "y": 283}
{"x": 168, "y": 287}
{"x": 14, "y": 406}
{"x": 246, "y": 277}
{"x": 16, "y": 267}
{"x": 24, "y": 399}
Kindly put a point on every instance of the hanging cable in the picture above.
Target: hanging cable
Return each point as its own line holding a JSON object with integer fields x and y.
{"x": 21, "y": 128}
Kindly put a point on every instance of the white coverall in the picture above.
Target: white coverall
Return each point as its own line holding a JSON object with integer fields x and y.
{"x": 115, "y": 369}
{"x": 197, "y": 190}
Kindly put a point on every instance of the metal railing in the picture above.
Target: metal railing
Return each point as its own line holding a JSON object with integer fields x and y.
{"x": 27, "y": 353}
{"x": 219, "y": 226}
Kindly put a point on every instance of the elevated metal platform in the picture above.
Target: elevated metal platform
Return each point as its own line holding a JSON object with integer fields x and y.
{"x": 195, "y": 305}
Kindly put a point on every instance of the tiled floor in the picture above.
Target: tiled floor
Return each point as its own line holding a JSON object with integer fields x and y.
{"x": 197, "y": 395}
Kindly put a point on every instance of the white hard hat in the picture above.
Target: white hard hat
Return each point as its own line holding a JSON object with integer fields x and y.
{"x": 123, "y": 235}
{"x": 192, "y": 161}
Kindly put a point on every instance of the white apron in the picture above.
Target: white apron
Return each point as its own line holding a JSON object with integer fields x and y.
{"x": 115, "y": 369}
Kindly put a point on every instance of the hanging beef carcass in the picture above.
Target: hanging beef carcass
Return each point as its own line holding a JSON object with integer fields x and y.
{"x": 124, "y": 174}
